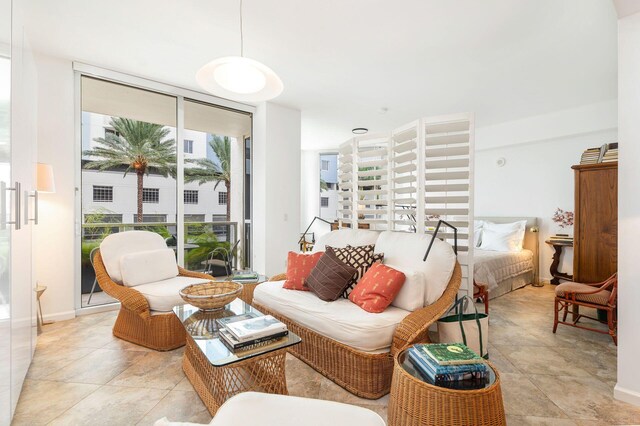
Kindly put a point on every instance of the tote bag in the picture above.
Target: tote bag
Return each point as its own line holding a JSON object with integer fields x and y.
{"x": 470, "y": 329}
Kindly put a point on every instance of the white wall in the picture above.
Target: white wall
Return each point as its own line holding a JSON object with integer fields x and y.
{"x": 55, "y": 234}
{"x": 276, "y": 186}
{"x": 628, "y": 386}
{"x": 537, "y": 177}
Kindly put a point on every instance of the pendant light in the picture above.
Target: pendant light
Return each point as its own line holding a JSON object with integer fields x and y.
{"x": 239, "y": 78}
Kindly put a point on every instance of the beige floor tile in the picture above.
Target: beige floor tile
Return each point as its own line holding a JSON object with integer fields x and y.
{"x": 178, "y": 406}
{"x": 586, "y": 398}
{"x": 159, "y": 370}
{"x": 521, "y": 397}
{"x": 513, "y": 420}
{"x": 123, "y": 345}
{"x": 540, "y": 360}
{"x": 99, "y": 367}
{"x": 112, "y": 405}
{"x": 49, "y": 359}
{"x": 42, "y": 401}
{"x": 184, "y": 385}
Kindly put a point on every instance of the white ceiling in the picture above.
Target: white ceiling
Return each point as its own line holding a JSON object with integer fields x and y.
{"x": 341, "y": 61}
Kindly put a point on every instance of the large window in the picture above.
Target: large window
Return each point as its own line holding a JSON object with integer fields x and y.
{"x": 132, "y": 155}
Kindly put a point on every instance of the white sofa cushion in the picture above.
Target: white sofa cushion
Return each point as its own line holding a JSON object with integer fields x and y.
{"x": 263, "y": 409}
{"x": 114, "y": 246}
{"x": 411, "y": 295}
{"x": 343, "y": 237}
{"x": 405, "y": 250}
{"x": 340, "y": 320}
{"x": 148, "y": 266}
{"x": 164, "y": 295}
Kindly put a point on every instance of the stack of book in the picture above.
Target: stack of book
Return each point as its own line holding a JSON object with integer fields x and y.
{"x": 248, "y": 331}
{"x": 245, "y": 276}
{"x": 590, "y": 156}
{"x": 561, "y": 238}
{"x": 450, "y": 365}
{"x": 611, "y": 154}
{"x": 603, "y": 154}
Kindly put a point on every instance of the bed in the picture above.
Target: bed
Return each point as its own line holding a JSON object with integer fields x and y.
{"x": 504, "y": 272}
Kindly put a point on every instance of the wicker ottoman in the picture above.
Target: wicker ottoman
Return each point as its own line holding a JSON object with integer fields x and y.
{"x": 414, "y": 402}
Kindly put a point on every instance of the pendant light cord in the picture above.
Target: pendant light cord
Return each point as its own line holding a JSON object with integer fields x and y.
{"x": 241, "y": 35}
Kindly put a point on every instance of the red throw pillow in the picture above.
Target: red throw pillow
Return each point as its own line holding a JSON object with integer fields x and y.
{"x": 299, "y": 267}
{"x": 377, "y": 288}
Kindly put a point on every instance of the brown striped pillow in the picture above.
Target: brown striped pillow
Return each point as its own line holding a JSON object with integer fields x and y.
{"x": 330, "y": 276}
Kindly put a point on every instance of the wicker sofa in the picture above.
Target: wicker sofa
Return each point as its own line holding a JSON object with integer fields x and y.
{"x": 145, "y": 316}
{"x": 356, "y": 365}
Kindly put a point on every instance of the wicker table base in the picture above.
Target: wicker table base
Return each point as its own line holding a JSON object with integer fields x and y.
{"x": 416, "y": 403}
{"x": 214, "y": 385}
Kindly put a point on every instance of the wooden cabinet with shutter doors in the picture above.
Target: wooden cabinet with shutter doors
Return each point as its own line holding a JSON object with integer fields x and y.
{"x": 595, "y": 254}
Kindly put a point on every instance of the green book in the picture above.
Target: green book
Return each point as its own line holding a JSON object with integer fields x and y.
{"x": 451, "y": 353}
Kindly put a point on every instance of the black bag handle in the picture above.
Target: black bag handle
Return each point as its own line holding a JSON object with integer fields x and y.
{"x": 464, "y": 300}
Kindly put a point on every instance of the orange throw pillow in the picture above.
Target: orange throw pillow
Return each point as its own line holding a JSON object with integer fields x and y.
{"x": 377, "y": 288}
{"x": 299, "y": 267}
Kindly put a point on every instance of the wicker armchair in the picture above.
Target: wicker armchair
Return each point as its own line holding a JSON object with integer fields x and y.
{"x": 602, "y": 296}
{"x": 135, "y": 324}
{"x": 364, "y": 374}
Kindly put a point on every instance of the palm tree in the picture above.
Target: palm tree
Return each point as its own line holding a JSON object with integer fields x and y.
{"x": 210, "y": 171}
{"x": 138, "y": 146}
{"x": 323, "y": 185}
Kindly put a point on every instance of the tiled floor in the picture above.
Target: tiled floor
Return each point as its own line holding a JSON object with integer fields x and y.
{"x": 81, "y": 374}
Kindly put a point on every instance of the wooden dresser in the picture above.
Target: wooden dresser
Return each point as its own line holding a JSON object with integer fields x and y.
{"x": 595, "y": 254}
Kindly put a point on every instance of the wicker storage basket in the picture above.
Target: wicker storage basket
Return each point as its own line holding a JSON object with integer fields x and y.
{"x": 212, "y": 295}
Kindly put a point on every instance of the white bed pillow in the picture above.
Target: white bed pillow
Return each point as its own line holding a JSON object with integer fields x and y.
{"x": 477, "y": 232}
{"x": 505, "y": 237}
{"x": 411, "y": 295}
{"x": 149, "y": 266}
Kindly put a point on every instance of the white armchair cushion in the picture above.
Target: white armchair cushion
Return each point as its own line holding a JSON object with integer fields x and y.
{"x": 504, "y": 237}
{"x": 411, "y": 296}
{"x": 114, "y": 246}
{"x": 343, "y": 237}
{"x": 405, "y": 250}
{"x": 263, "y": 409}
{"x": 163, "y": 295}
{"x": 148, "y": 266}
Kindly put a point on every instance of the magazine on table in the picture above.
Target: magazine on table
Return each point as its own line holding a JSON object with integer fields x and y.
{"x": 255, "y": 328}
{"x": 234, "y": 344}
{"x": 223, "y": 322}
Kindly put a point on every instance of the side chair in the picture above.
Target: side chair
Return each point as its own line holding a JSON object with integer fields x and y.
{"x": 602, "y": 295}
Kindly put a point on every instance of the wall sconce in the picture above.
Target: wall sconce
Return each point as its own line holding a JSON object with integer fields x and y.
{"x": 45, "y": 183}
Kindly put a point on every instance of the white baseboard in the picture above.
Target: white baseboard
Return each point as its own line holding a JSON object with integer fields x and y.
{"x": 97, "y": 309}
{"x": 626, "y": 395}
{"x": 59, "y": 316}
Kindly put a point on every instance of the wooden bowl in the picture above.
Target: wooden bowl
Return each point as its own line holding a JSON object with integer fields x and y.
{"x": 210, "y": 296}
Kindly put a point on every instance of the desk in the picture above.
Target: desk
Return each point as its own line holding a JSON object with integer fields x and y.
{"x": 558, "y": 246}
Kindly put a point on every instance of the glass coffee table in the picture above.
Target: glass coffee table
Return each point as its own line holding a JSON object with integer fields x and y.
{"x": 218, "y": 373}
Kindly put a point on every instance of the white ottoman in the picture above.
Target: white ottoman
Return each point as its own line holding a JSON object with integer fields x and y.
{"x": 264, "y": 409}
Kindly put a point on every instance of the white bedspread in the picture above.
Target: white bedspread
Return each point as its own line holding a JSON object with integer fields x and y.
{"x": 492, "y": 267}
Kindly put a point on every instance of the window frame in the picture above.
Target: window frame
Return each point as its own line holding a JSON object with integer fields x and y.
{"x": 222, "y": 195}
{"x": 145, "y": 195}
{"x": 191, "y": 192}
{"x": 108, "y": 188}
{"x": 187, "y": 143}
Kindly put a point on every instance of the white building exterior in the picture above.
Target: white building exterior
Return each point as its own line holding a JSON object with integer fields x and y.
{"x": 203, "y": 202}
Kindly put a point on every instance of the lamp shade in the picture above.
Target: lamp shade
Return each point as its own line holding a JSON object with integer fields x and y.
{"x": 239, "y": 79}
{"x": 46, "y": 182}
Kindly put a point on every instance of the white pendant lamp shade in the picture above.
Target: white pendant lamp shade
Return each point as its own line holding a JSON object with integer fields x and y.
{"x": 240, "y": 79}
